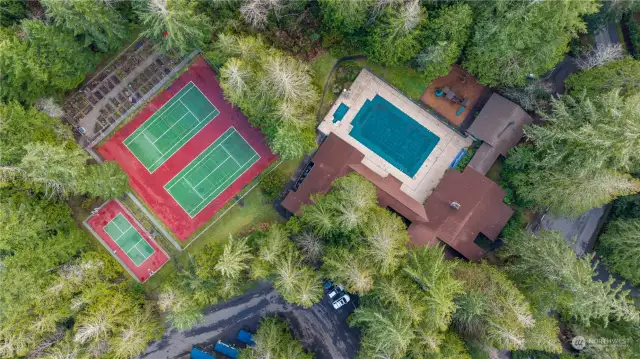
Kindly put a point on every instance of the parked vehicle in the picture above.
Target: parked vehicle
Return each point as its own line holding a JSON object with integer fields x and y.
{"x": 340, "y": 302}
{"x": 227, "y": 349}
{"x": 334, "y": 291}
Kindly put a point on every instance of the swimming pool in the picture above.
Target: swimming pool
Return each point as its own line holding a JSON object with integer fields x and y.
{"x": 393, "y": 135}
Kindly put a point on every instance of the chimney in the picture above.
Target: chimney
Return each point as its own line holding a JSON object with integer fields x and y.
{"x": 455, "y": 205}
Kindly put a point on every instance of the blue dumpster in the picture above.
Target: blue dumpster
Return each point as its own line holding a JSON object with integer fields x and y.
{"x": 245, "y": 337}
{"x": 227, "y": 349}
{"x": 199, "y": 354}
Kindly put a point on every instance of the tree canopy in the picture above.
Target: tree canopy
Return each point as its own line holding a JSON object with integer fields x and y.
{"x": 445, "y": 37}
{"x": 622, "y": 74}
{"x": 581, "y": 158}
{"x": 273, "y": 89}
{"x": 513, "y": 39}
{"x": 554, "y": 278}
{"x": 274, "y": 340}
{"x": 95, "y": 22}
{"x": 175, "y": 24}
{"x": 620, "y": 247}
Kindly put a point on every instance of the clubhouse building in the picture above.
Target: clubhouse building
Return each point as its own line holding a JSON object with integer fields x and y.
{"x": 410, "y": 155}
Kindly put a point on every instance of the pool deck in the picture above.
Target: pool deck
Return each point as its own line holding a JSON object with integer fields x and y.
{"x": 366, "y": 87}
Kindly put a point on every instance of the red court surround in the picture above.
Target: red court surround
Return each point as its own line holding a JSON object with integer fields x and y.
{"x": 146, "y": 268}
{"x": 150, "y": 186}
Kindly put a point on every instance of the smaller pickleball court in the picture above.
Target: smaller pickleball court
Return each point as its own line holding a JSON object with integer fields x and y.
{"x": 209, "y": 174}
{"x": 128, "y": 239}
{"x": 171, "y": 127}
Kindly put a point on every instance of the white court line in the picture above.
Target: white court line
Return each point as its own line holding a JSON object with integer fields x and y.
{"x": 189, "y": 135}
{"x": 212, "y": 171}
{"x": 205, "y": 96}
{"x": 170, "y": 127}
{"x": 193, "y": 188}
{"x": 123, "y": 233}
{"x": 135, "y": 246}
{"x": 114, "y": 223}
{"x": 160, "y": 113}
{"x": 255, "y": 154}
{"x": 153, "y": 144}
{"x": 188, "y": 109}
{"x": 229, "y": 177}
{"x": 230, "y": 155}
{"x": 203, "y": 158}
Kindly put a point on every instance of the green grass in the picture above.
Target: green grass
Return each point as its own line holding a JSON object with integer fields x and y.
{"x": 403, "y": 77}
{"x": 321, "y": 66}
{"x": 238, "y": 221}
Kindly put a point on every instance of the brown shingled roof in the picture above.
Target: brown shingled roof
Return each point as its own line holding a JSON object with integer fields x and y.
{"x": 481, "y": 210}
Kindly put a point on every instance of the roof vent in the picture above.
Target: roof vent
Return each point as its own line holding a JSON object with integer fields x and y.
{"x": 455, "y": 205}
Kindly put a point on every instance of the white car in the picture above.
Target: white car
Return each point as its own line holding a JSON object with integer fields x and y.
{"x": 335, "y": 290}
{"x": 340, "y": 302}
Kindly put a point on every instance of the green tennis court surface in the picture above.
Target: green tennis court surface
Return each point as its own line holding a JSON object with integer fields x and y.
{"x": 209, "y": 174}
{"x": 175, "y": 123}
{"x": 128, "y": 239}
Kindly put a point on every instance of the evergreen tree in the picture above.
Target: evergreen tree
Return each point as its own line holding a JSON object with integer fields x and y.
{"x": 445, "y": 37}
{"x": 622, "y": 74}
{"x": 175, "y": 24}
{"x": 65, "y": 60}
{"x": 513, "y": 38}
{"x": 105, "y": 180}
{"x": 345, "y": 17}
{"x": 579, "y": 160}
{"x": 620, "y": 247}
{"x": 395, "y": 37}
{"x": 274, "y": 340}
{"x": 493, "y": 311}
{"x": 12, "y": 11}
{"x": 554, "y": 278}
{"x": 23, "y": 77}
{"x": 95, "y": 22}
{"x": 274, "y": 90}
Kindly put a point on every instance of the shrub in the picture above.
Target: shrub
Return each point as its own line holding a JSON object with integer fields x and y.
{"x": 273, "y": 183}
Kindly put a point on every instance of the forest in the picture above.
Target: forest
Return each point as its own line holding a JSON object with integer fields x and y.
{"x": 64, "y": 296}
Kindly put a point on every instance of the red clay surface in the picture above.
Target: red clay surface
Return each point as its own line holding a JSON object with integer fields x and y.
{"x": 146, "y": 268}
{"x": 150, "y": 186}
{"x": 465, "y": 85}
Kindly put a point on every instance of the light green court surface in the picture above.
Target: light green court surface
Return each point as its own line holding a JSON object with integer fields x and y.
{"x": 128, "y": 239}
{"x": 175, "y": 123}
{"x": 209, "y": 174}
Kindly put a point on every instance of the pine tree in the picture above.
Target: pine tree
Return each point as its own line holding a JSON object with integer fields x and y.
{"x": 620, "y": 247}
{"x": 554, "y": 278}
{"x": 513, "y": 39}
{"x": 98, "y": 24}
{"x": 175, "y": 24}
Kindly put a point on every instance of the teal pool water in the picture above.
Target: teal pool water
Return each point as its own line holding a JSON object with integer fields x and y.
{"x": 393, "y": 135}
{"x": 340, "y": 112}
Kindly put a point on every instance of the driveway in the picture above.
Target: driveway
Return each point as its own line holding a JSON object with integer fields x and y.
{"x": 320, "y": 328}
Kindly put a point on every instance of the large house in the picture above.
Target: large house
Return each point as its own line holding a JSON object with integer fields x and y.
{"x": 410, "y": 155}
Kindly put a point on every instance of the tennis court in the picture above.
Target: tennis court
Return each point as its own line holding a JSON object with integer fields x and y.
{"x": 128, "y": 239}
{"x": 209, "y": 174}
{"x": 173, "y": 125}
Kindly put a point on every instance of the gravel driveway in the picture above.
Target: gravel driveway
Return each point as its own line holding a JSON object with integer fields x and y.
{"x": 321, "y": 329}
